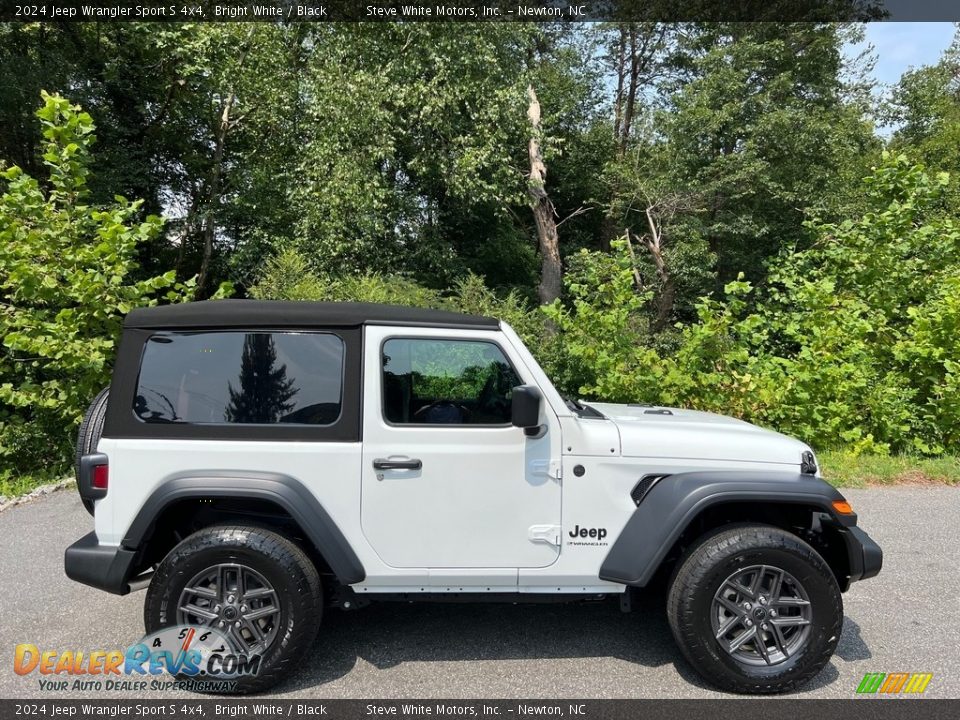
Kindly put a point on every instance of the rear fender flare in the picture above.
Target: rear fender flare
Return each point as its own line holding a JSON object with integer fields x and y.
{"x": 282, "y": 490}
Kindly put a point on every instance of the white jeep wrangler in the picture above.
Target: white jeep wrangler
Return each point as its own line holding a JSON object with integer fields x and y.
{"x": 256, "y": 463}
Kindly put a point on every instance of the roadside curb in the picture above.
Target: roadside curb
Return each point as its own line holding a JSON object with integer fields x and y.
{"x": 38, "y": 492}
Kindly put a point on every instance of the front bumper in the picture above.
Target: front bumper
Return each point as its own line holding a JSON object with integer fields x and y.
{"x": 105, "y": 567}
{"x": 864, "y": 556}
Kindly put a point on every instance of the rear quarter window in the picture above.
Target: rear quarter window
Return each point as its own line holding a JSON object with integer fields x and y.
{"x": 241, "y": 378}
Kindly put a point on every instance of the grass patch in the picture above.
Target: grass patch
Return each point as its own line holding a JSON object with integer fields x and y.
{"x": 844, "y": 469}
{"x": 12, "y": 486}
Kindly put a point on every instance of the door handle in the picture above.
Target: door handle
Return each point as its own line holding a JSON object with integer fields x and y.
{"x": 400, "y": 463}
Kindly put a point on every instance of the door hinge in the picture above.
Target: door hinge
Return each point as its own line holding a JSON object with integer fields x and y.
{"x": 549, "y": 468}
{"x": 549, "y": 534}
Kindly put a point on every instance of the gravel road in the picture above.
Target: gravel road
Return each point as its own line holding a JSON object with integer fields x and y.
{"x": 903, "y": 620}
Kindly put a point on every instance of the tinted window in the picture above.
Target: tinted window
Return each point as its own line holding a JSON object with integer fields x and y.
{"x": 446, "y": 382}
{"x": 236, "y": 377}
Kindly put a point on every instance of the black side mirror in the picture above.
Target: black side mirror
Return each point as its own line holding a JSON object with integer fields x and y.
{"x": 525, "y": 411}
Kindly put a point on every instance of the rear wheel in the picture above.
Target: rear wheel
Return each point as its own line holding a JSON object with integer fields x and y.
{"x": 252, "y": 585}
{"x": 88, "y": 436}
{"x": 755, "y": 609}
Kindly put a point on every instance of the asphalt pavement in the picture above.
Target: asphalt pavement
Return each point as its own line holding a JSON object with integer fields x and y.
{"x": 904, "y": 620}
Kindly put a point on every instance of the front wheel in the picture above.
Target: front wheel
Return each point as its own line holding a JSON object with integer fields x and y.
{"x": 254, "y": 587}
{"x": 755, "y": 609}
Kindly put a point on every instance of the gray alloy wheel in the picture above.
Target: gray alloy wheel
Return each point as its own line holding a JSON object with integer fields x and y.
{"x": 235, "y": 599}
{"x": 761, "y": 615}
{"x": 260, "y": 585}
{"x": 755, "y": 609}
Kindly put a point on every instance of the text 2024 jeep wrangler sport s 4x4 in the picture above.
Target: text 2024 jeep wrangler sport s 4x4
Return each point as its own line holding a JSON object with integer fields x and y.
{"x": 259, "y": 462}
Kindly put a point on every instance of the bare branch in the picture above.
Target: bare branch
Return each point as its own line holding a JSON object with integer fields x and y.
{"x": 582, "y": 210}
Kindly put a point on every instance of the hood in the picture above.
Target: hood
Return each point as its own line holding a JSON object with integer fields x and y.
{"x": 658, "y": 432}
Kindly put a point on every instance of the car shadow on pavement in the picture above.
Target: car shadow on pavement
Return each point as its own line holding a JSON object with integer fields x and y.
{"x": 387, "y": 635}
{"x": 852, "y": 646}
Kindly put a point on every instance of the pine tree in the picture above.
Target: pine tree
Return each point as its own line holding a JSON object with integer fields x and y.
{"x": 265, "y": 391}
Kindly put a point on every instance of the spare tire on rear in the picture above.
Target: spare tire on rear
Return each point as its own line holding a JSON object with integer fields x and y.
{"x": 89, "y": 434}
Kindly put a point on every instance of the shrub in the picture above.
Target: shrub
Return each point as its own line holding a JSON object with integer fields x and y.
{"x": 65, "y": 268}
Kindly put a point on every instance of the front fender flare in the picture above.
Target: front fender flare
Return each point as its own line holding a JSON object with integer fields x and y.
{"x": 283, "y": 490}
{"x": 672, "y": 504}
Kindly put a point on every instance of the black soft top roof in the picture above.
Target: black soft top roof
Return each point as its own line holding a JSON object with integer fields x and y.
{"x": 276, "y": 313}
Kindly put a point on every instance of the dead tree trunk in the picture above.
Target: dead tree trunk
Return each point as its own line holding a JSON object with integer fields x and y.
{"x": 668, "y": 290}
{"x": 544, "y": 213}
{"x": 653, "y": 240}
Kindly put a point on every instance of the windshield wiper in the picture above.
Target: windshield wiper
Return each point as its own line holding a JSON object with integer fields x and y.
{"x": 580, "y": 409}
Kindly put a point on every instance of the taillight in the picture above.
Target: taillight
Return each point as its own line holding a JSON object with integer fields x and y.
{"x": 93, "y": 479}
{"x": 100, "y": 477}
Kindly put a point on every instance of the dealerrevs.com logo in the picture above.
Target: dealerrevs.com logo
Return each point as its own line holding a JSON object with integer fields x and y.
{"x": 894, "y": 683}
{"x": 199, "y": 659}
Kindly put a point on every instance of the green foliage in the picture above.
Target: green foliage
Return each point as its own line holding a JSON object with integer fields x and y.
{"x": 408, "y": 122}
{"x": 844, "y": 468}
{"x": 871, "y": 306}
{"x": 289, "y": 276}
{"x": 401, "y": 148}
{"x": 458, "y": 371}
{"x": 14, "y": 484}
{"x": 853, "y": 342}
{"x": 601, "y": 329}
{"x": 925, "y": 108}
{"x": 761, "y": 129}
{"x": 64, "y": 287}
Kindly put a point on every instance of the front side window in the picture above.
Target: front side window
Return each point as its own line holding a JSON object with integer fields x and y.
{"x": 446, "y": 382}
{"x": 241, "y": 378}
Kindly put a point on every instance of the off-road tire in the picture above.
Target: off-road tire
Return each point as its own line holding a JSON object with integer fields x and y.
{"x": 89, "y": 434}
{"x": 280, "y": 561}
{"x": 706, "y": 567}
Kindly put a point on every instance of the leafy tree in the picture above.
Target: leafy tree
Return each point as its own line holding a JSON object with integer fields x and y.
{"x": 926, "y": 108}
{"x": 389, "y": 163}
{"x": 124, "y": 75}
{"x": 238, "y": 111}
{"x": 759, "y": 128}
{"x": 415, "y": 156}
{"x": 401, "y": 118}
{"x": 876, "y": 297}
{"x": 289, "y": 276}
{"x": 65, "y": 267}
{"x": 159, "y": 92}
{"x": 401, "y": 147}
